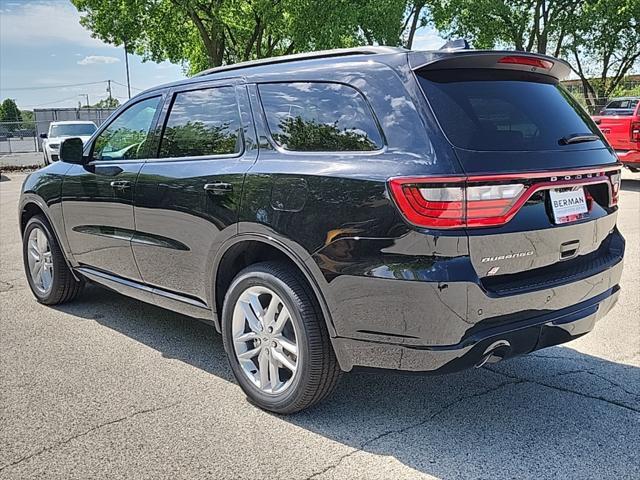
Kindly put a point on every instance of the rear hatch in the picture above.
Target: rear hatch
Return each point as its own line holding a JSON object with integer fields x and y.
{"x": 538, "y": 198}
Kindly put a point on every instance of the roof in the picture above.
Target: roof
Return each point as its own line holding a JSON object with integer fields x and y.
{"x": 336, "y": 52}
{"x": 74, "y": 122}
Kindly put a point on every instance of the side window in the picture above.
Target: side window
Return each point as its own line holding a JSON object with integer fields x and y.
{"x": 202, "y": 122}
{"x": 126, "y": 137}
{"x": 319, "y": 117}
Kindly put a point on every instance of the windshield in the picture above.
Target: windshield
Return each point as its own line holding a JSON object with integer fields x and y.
{"x": 72, "y": 130}
{"x": 623, "y": 107}
{"x": 493, "y": 110}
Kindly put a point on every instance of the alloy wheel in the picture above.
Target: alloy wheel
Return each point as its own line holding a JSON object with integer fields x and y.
{"x": 40, "y": 260}
{"x": 265, "y": 340}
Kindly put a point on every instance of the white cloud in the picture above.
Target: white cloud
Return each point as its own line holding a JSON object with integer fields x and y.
{"x": 93, "y": 59}
{"x": 427, "y": 39}
{"x": 45, "y": 23}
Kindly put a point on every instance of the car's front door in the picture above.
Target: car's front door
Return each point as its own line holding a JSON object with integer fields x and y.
{"x": 187, "y": 199}
{"x": 97, "y": 197}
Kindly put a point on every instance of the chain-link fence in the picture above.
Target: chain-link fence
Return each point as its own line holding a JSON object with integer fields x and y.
{"x": 629, "y": 87}
{"x": 24, "y": 136}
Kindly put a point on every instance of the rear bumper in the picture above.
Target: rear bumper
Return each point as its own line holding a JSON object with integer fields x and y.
{"x": 508, "y": 340}
{"x": 629, "y": 157}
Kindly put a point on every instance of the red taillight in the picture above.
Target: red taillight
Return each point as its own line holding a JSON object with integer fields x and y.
{"x": 530, "y": 61}
{"x": 451, "y": 203}
{"x": 635, "y": 131}
{"x": 486, "y": 200}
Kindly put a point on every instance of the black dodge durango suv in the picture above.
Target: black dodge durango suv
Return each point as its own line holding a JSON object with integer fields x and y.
{"x": 373, "y": 207}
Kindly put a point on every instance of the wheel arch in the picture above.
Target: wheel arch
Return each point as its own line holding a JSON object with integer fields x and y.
{"x": 32, "y": 205}
{"x": 246, "y": 249}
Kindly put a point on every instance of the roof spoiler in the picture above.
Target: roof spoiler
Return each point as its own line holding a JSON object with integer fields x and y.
{"x": 454, "y": 58}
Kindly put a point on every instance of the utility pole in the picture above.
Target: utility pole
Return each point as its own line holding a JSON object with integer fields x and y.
{"x": 109, "y": 90}
{"x": 86, "y": 95}
{"x": 126, "y": 62}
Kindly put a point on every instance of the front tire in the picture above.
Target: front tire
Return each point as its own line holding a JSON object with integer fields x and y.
{"x": 48, "y": 275}
{"x": 276, "y": 339}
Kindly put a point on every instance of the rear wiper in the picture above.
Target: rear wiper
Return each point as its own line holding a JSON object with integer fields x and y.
{"x": 578, "y": 138}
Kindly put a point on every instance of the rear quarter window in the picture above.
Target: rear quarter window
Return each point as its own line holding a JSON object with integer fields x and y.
{"x": 503, "y": 111}
{"x": 319, "y": 117}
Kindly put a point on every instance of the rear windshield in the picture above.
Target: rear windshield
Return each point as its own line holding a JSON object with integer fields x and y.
{"x": 72, "y": 129}
{"x": 623, "y": 107}
{"x": 501, "y": 111}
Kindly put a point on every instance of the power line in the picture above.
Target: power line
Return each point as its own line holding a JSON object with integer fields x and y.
{"x": 51, "y": 103}
{"x": 55, "y": 86}
{"x": 123, "y": 85}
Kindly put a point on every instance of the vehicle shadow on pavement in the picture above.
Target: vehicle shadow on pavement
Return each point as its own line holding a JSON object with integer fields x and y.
{"x": 554, "y": 413}
{"x": 632, "y": 185}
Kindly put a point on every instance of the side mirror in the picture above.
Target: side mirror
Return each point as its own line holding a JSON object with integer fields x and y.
{"x": 598, "y": 121}
{"x": 43, "y": 135}
{"x": 71, "y": 150}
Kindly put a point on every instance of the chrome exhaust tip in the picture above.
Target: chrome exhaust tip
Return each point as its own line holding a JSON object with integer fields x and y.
{"x": 494, "y": 353}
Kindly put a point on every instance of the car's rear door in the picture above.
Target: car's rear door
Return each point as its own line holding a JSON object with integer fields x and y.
{"x": 97, "y": 197}
{"x": 187, "y": 198}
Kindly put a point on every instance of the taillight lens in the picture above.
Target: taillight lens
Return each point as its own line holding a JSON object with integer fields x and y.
{"x": 445, "y": 203}
{"x": 635, "y": 131}
{"x": 615, "y": 178}
{"x": 528, "y": 61}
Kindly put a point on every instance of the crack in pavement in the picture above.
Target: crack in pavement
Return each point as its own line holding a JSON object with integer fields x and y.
{"x": 84, "y": 433}
{"x": 567, "y": 390}
{"x": 410, "y": 427}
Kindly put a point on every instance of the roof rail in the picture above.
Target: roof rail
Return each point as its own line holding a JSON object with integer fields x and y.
{"x": 337, "y": 52}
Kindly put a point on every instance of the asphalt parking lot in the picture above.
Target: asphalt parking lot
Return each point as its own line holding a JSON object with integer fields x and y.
{"x": 108, "y": 387}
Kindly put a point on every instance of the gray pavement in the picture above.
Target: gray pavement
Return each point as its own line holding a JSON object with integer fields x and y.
{"x": 108, "y": 387}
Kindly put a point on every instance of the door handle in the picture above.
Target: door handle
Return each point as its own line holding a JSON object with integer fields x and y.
{"x": 219, "y": 188}
{"x": 120, "y": 184}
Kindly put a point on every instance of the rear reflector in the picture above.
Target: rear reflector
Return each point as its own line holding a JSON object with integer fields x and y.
{"x": 483, "y": 201}
{"x": 529, "y": 61}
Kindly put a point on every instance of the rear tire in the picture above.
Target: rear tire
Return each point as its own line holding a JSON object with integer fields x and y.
{"x": 47, "y": 272}
{"x": 258, "y": 338}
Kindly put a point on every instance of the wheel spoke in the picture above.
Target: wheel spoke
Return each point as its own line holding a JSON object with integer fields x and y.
{"x": 257, "y": 308}
{"x": 274, "y": 377}
{"x": 287, "y": 344}
{"x": 246, "y": 337}
{"x": 283, "y": 318}
{"x": 249, "y": 354}
{"x": 263, "y": 367}
{"x": 284, "y": 360}
{"x": 270, "y": 314}
{"x": 251, "y": 318}
{"x": 46, "y": 277}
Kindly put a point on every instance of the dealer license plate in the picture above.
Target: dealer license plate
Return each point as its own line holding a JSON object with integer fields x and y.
{"x": 568, "y": 204}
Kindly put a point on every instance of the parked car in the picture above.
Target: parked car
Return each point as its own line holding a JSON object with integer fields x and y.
{"x": 58, "y": 131}
{"x": 619, "y": 120}
{"x": 373, "y": 207}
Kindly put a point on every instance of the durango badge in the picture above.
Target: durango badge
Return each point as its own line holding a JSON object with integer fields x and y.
{"x": 507, "y": 257}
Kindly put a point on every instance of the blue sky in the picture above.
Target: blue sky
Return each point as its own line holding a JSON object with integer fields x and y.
{"x": 43, "y": 46}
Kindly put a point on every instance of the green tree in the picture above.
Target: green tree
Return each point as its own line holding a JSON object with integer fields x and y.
{"x": 104, "y": 103}
{"x": 9, "y": 112}
{"x": 208, "y": 33}
{"x": 605, "y": 46}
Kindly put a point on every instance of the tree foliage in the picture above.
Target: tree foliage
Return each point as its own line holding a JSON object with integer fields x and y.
{"x": 599, "y": 38}
{"x": 9, "y": 112}
{"x": 209, "y": 33}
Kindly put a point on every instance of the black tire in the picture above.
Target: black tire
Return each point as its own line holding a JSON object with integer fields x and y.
{"x": 64, "y": 286}
{"x": 318, "y": 370}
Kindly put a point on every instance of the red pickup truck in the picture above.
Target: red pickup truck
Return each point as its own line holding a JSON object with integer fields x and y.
{"x": 620, "y": 123}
